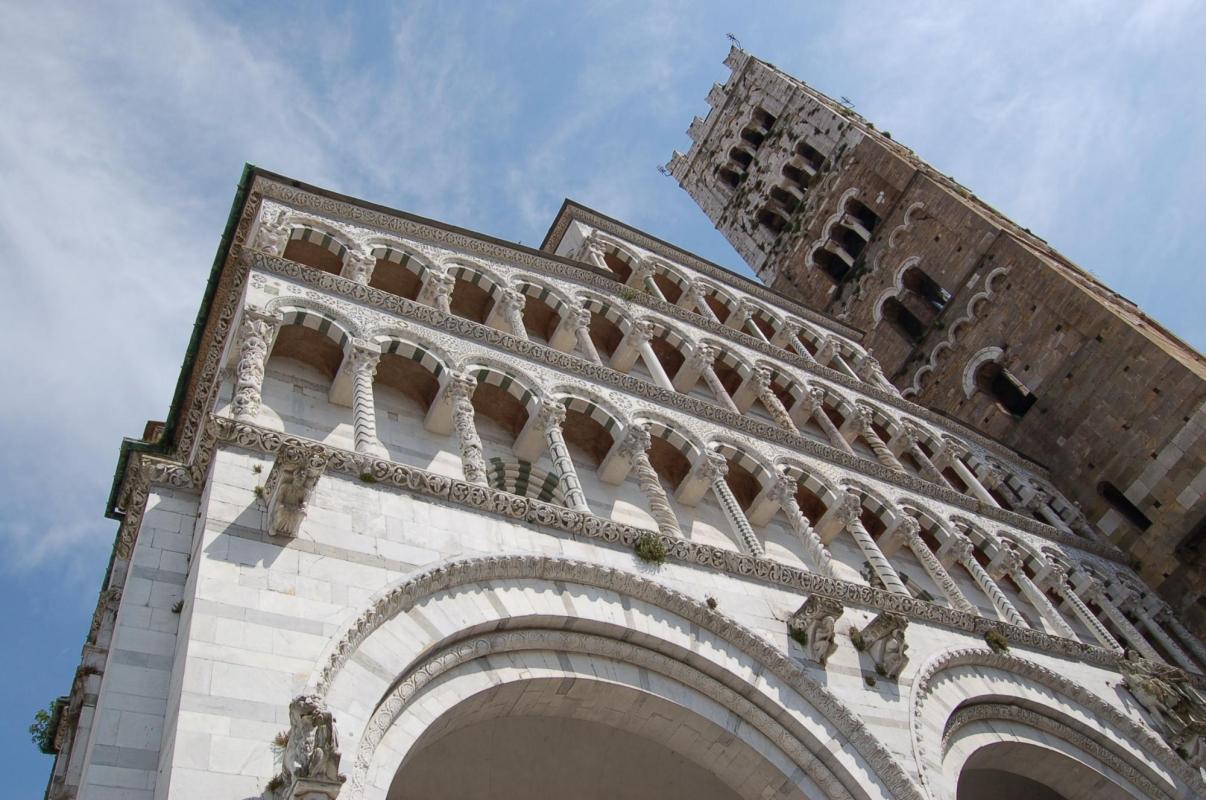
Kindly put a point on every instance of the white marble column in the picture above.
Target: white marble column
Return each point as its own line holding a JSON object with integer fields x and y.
{"x": 863, "y": 420}
{"x": 963, "y": 551}
{"x": 742, "y": 319}
{"x": 869, "y": 370}
{"x": 909, "y": 532}
{"x": 643, "y": 277}
{"x": 848, "y": 513}
{"x": 551, "y": 418}
{"x": 713, "y": 468}
{"x": 788, "y": 337}
{"x": 784, "y": 493}
{"x": 257, "y": 331}
{"x": 1165, "y": 614}
{"x": 1011, "y": 563}
{"x": 912, "y": 444}
{"x": 1040, "y": 503}
{"x": 512, "y": 303}
{"x": 1094, "y": 591}
{"x": 364, "y": 362}
{"x": 586, "y": 345}
{"x": 766, "y": 394}
{"x": 460, "y": 393}
{"x": 953, "y": 454}
{"x": 717, "y": 387}
{"x": 811, "y": 406}
{"x": 642, "y": 336}
{"x": 695, "y": 296}
{"x": 635, "y": 447}
{"x": 1159, "y": 634}
{"x": 1057, "y": 577}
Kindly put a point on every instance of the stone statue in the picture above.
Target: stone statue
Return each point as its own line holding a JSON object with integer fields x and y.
{"x": 884, "y": 640}
{"x": 311, "y": 756}
{"x": 290, "y": 484}
{"x": 813, "y": 627}
{"x": 1177, "y": 709}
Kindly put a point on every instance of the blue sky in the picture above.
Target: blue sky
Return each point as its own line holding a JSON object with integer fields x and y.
{"x": 124, "y": 131}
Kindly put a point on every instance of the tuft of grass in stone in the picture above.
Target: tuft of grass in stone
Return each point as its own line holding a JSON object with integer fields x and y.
{"x": 367, "y": 477}
{"x": 997, "y": 641}
{"x": 649, "y": 548}
{"x": 856, "y": 638}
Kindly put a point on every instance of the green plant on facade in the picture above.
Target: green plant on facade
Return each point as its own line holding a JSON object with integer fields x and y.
{"x": 650, "y": 549}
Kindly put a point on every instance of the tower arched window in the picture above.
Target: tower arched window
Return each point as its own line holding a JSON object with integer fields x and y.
{"x": 831, "y": 264}
{"x": 903, "y": 321}
{"x": 1001, "y": 385}
{"x": 917, "y": 281}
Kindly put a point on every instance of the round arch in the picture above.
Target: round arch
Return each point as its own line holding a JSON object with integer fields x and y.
{"x": 956, "y": 688}
{"x": 502, "y": 619}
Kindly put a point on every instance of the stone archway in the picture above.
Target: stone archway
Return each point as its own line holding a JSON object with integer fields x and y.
{"x": 462, "y": 628}
{"x": 1005, "y": 770}
{"x": 574, "y": 736}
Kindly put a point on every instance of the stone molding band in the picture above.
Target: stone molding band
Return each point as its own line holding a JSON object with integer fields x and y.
{"x": 494, "y": 501}
{"x": 482, "y": 334}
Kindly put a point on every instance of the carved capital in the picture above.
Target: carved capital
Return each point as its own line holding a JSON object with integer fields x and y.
{"x": 637, "y": 441}
{"x": 712, "y": 467}
{"x": 641, "y": 331}
{"x": 783, "y": 490}
{"x": 360, "y": 265}
{"x": 849, "y": 507}
{"x": 961, "y": 548}
{"x": 763, "y": 379}
{"x": 702, "y": 356}
{"x": 461, "y": 385}
{"x": 581, "y": 317}
{"x": 365, "y": 358}
{"x": 512, "y": 300}
{"x": 550, "y": 415}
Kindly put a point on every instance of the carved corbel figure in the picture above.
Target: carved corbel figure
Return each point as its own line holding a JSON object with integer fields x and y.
{"x": 884, "y": 640}
{"x": 273, "y": 235}
{"x": 290, "y": 485}
{"x": 813, "y": 627}
{"x": 311, "y": 755}
{"x": 1178, "y": 711}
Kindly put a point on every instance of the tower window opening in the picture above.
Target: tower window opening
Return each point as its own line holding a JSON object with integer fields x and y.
{"x": 1001, "y": 385}
{"x": 864, "y": 215}
{"x": 832, "y": 264}
{"x": 797, "y": 176}
{"x": 730, "y": 177}
{"x": 812, "y": 156}
{"x": 849, "y": 240}
{"x": 784, "y": 198}
{"x": 917, "y": 281}
{"x": 904, "y": 321}
{"x": 771, "y": 218}
{"x": 763, "y": 119}
{"x": 754, "y": 136}
{"x": 1122, "y": 504}
{"x": 742, "y": 157}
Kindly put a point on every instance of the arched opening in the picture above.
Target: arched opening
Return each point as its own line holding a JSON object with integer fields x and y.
{"x": 730, "y": 177}
{"x": 540, "y": 319}
{"x": 670, "y": 285}
{"x": 499, "y": 414}
{"x": 742, "y": 157}
{"x": 771, "y": 218}
{"x": 866, "y": 218}
{"x": 786, "y": 200}
{"x": 917, "y": 281}
{"x": 472, "y": 295}
{"x": 831, "y": 264}
{"x": 811, "y": 156}
{"x": 619, "y": 264}
{"x": 297, "y": 383}
{"x": 315, "y": 249}
{"x": 396, "y": 272}
{"x": 667, "y": 346}
{"x": 1009, "y": 770}
{"x": 604, "y": 331}
{"x": 903, "y": 321}
{"x": 849, "y": 240}
{"x": 1006, "y": 390}
{"x": 754, "y": 136}
{"x": 1123, "y": 505}
{"x": 718, "y": 304}
{"x": 406, "y": 385}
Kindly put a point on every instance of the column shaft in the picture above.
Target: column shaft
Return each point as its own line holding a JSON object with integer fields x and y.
{"x": 875, "y": 556}
{"x": 571, "y": 486}
{"x": 972, "y": 481}
{"x": 653, "y": 365}
{"x": 965, "y": 554}
{"x": 722, "y": 395}
{"x": 766, "y": 394}
{"x": 586, "y": 345}
{"x": 818, "y": 553}
{"x": 1129, "y": 632}
{"x": 473, "y": 461}
{"x": 835, "y": 437}
{"x": 1038, "y": 598}
{"x": 1159, "y": 634}
{"x": 1187, "y": 638}
{"x": 882, "y": 453}
{"x": 364, "y": 412}
{"x": 937, "y": 572}
{"x": 256, "y": 334}
{"x": 1090, "y": 621}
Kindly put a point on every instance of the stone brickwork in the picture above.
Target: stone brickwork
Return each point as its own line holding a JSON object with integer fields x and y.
{"x": 440, "y": 513}
{"x": 953, "y": 296}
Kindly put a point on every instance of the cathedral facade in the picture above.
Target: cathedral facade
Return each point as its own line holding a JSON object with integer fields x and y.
{"x": 436, "y": 515}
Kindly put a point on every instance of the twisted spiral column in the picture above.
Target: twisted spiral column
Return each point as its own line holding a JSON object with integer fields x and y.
{"x": 1166, "y": 615}
{"x": 863, "y": 419}
{"x": 364, "y": 412}
{"x": 1059, "y": 582}
{"x": 783, "y": 492}
{"x": 848, "y": 512}
{"x": 814, "y": 407}
{"x": 762, "y": 381}
{"x": 964, "y": 552}
{"x": 635, "y": 447}
{"x": 910, "y": 530}
{"x": 713, "y": 469}
{"x": 1159, "y": 634}
{"x": 473, "y": 461}
{"x": 551, "y": 418}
